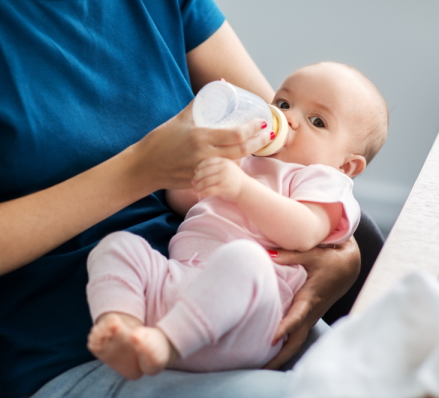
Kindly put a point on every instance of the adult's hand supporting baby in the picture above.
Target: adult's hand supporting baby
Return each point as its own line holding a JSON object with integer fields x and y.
{"x": 331, "y": 272}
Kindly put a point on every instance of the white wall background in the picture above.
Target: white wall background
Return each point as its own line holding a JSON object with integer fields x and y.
{"x": 395, "y": 43}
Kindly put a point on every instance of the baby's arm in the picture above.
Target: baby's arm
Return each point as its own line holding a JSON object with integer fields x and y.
{"x": 181, "y": 200}
{"x": 279, "y": 218}
{"x": 290, "y": 224}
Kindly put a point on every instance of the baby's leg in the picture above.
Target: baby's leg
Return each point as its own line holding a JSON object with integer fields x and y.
{"x": 110, "y": 341}
{"x": 232, "y": 309}
{"x": 124, "y": 272}
{"x": 131, "y": 349}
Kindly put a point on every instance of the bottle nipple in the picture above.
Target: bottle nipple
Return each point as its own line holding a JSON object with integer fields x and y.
{"x": 280, "y": 128}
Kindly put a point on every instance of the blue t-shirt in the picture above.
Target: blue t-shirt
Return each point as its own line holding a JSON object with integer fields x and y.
{"x": 79, "y": 82}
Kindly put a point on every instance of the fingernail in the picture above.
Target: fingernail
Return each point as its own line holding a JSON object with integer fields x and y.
{"x": 263, "y": 125}
{"x": 272, "y": 135}
{"x": 272, "y": 253}
{"x": 275, "y": 341}
{"x": 222, "y": 80}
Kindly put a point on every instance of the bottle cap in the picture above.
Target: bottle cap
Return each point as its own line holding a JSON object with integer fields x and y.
{"x": 280, "y": 128}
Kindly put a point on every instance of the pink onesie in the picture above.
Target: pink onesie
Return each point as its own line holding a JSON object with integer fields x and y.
{"x": 219, "y": 298}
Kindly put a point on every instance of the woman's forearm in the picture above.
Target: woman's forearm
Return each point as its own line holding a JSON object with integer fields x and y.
{"x": 36, "y": 224}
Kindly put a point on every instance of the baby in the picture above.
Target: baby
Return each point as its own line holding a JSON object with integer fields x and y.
{"x": 217, "y": 303}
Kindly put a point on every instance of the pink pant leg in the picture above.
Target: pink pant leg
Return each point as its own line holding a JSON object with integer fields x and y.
{"x": 126, "y": 275}
{"x": 227, "y": 316}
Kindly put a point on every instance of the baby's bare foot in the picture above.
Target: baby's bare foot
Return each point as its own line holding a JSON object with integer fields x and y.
{"x": 154, "y": 350}
{"x": 109, "y": 340}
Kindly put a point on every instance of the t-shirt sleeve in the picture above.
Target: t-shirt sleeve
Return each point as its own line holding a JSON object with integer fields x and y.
{"x": 201, "y": 19}
{"x": 324, "y": 184}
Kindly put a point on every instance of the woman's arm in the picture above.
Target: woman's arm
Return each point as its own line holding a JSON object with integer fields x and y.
{"x": 224, "y": 56}
{"x": 36, "y": 224}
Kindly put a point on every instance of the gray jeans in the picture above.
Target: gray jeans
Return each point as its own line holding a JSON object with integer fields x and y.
{"x": 96, "y": 380}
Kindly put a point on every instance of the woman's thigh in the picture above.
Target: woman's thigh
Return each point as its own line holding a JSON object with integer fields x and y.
{"x": 94, "y": 379}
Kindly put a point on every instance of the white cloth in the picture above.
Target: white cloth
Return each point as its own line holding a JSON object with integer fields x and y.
{"x": 389, "y": 351}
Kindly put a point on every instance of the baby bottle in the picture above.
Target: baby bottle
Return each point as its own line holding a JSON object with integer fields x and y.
{"x": 222, "y": 105}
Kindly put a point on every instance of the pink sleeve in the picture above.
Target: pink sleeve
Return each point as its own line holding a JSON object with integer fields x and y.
{"x": 324, "y": 184}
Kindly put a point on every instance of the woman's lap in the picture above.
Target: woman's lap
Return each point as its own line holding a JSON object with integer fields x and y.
{"x": 94, "y": 379}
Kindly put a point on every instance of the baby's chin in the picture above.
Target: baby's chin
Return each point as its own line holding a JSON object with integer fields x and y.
{"x": 280, "y": 156}
{"x": 287, "y": 159}
{"x": 274, "y": 155}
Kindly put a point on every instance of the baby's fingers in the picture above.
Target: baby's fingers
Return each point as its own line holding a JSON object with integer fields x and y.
{"x": 207, "y": 185}
{"x": 207, "y": 167}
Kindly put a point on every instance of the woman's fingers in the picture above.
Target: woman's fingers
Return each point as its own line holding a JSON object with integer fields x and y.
{"x": 301, "y": 317}
{"x": 287, "y": 257}
{"x": 238, "y": 135}
{"x": 290, "y": 348}
{"x": 297, "y": 315}
{"x": 232, "y": 143}
{"x": 240, "y": 141}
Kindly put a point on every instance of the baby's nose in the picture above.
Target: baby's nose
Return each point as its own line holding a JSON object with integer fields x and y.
{"x": 293, "y": 122}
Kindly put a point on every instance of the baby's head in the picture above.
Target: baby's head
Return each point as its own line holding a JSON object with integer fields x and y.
{"x": 336, "y": 117}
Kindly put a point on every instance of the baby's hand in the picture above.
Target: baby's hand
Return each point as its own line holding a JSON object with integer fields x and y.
{"x": 219, "y": 177}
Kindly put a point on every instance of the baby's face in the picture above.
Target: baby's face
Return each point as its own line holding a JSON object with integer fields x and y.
{"x": 322, "y": 104}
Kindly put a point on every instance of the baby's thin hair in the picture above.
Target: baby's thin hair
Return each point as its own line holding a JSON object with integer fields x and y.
{"x": 374, "y": 133}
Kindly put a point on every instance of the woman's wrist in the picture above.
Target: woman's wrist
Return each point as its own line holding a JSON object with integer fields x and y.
{"x": 138, "y": 176}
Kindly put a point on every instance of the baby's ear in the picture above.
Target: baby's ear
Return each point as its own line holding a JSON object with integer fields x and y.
{"x": 353, "y": 165}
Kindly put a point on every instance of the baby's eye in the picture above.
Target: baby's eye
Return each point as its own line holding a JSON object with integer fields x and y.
{"x": 316, "y": 121}
{"x": 283, "y": 104}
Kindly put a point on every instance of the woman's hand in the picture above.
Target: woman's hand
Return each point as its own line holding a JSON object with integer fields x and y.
{"x": 331, "y": 272}
{"x": 168, "y": 155}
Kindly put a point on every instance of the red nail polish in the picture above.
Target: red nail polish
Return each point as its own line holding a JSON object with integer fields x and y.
{"x": 272, "y": 253}
{"x": 272, "y": 135}
{"x": 263, "y": 125}
{"x": 276, "y": 341}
